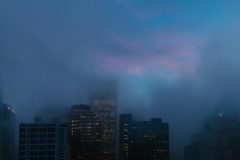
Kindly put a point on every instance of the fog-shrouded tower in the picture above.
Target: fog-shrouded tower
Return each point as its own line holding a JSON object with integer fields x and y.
{"x": 104, "y": 104}
{"x": 8, "y": 132}
{"x": 219, "y": 138}
{"x": 1, "y": 105}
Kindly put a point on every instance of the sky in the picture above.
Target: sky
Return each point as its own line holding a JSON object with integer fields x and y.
{"x": 172, "y": 59}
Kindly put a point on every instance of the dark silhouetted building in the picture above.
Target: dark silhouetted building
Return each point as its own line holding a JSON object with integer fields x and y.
{"x": 85, "y": 134}
{"x": 104, "y": 102}
{"x": 8, "y": 133}
{"x": 1, "y": 109}
{"x": 1, "y": 131}
{"x": 219, "y": 139}
{"x": 43, "y": 141}
{"x": 143, "y": 140}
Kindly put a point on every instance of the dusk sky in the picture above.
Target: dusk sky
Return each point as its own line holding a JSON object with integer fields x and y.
{"x": 172, "y": 59}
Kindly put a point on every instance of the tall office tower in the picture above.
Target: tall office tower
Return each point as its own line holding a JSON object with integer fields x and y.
{"x": 219, "y": 139}
{"x": 8, "y": 133}
{"x": 104, "y": 102}
{"x": 43, "y": 141}
{"x": 143, "y": 140}
{"x": 1, "y": 107}
{"x": 85, "y": 139}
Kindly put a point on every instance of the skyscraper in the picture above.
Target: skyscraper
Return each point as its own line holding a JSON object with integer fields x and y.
{"x": 8, "y": 133}
{"x": 143, "y": 140}
{"x": 219, "y": 139}
{"x": 43, "y": 141}
{"x": 85, "y": 138}
{"x": 1, "y": 106}
{"x": 104, "y": 103}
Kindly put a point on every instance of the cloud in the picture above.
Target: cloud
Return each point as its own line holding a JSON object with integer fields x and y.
{"x": 159, "y": 52}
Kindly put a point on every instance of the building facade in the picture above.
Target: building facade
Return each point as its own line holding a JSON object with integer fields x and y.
{"x": 104, "y": 103}
{"x": 143, "y": 139}
{"x": 43, "y": 141}
{"x": 85, "y": 137}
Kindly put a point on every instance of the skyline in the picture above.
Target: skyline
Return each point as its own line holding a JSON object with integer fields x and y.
{"x": 174, "y": 60}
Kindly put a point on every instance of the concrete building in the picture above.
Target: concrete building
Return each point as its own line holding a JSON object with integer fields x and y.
{"x": 43, "y": 141}
{"x": 143, "y": 140}
{"x": 85, "y": 139}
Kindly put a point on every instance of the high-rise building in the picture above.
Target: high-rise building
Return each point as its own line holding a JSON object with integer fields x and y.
{"x": 104, "y": 103}
{"x": 143, "y": 140}
{"x": 219, "y": 139}
{"x": 85, "y": 137}
{"x": 1, "y": 108}
{"x": 1, "y": 130}
{"x": 8, "y": 133}
{"x": 43, "y": 141}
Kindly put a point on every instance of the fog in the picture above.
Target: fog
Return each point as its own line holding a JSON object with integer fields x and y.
{"x": 174, "y": 60}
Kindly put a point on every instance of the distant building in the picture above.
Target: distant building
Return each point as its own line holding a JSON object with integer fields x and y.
{"x": 104, "y": 103}
{"x": 85, "y": 138}
{"x": 62, "y": 113}
{"x": 219, "y": 139}
{"x": 1, "y": 109}
{"x": 7, "y": 124}
{"x": 43, "y": 141}
{"x": 143, "y": 140}
{"x": 8, "y": 133}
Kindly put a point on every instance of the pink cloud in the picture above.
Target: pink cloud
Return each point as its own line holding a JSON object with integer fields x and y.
{"x": 162, "y": 52}
{"x": 176, "y": 44}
